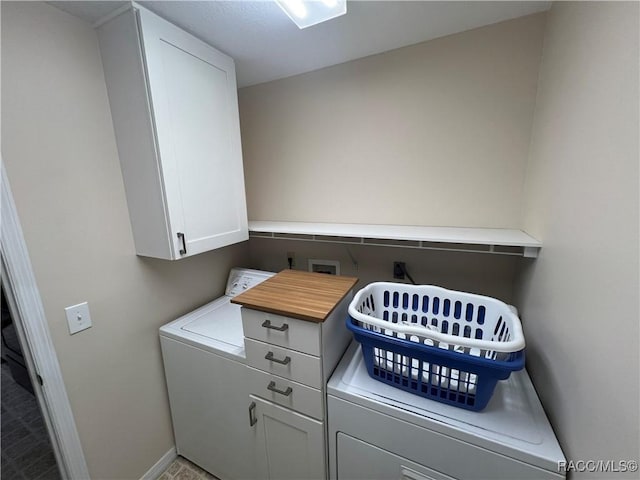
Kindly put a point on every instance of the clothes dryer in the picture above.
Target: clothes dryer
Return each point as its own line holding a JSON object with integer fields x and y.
{"x": 377, "y": 431}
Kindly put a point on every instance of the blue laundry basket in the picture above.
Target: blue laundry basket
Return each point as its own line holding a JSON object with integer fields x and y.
{"x": 441, "y": 344}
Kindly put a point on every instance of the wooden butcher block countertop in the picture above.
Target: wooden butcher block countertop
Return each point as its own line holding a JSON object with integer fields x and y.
{"x": 303, "y": 295}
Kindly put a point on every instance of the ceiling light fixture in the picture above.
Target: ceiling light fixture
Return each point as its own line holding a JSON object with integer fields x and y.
{"x": 308, "y": 13}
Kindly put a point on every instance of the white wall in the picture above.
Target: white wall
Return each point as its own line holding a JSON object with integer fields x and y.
{"x": 61, "y": 158}
{"x": 431, "y": 134}
{"x": 580, "y": 299}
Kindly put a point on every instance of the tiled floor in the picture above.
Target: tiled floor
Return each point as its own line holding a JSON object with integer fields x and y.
{"x": 183, "y": 469}
{"x": 26, "y": 449}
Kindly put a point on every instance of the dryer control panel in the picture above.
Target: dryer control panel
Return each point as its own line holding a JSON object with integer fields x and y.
{"x": 242, "y": 279}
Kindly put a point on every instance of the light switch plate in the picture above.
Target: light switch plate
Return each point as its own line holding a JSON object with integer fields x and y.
{"x": 78, "y": 317}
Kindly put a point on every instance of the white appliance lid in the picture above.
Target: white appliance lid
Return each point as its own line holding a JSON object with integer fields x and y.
{"x": 508, "y": 412}
{"x": 217, "y": 326}
{"x": 514, "y": 416}
{"x": 223, "y": 324}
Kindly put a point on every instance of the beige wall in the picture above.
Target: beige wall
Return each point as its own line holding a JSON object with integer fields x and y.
{"x": 484, "y": 274}
{"x": 61, "y": 158}
{"x": 579, "y": 299}
{"x": 431, "y": 134}
{"x": 420, "y": 135}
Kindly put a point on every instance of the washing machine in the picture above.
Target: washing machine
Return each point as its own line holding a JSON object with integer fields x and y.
{"x": 204, "y": 361}
{"x": 377, "y": 431}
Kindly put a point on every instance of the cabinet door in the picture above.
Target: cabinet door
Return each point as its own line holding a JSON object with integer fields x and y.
{"x": 291, "y": 445}
{"x": 195, "y": 107}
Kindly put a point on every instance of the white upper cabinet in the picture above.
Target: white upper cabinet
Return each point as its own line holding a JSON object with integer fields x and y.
{"x": 175, "y": 113}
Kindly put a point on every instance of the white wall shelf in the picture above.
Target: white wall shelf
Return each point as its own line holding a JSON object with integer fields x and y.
{"x": 499, "y": 241}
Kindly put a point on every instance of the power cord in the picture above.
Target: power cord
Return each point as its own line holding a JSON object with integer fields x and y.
{"x": 404, "y": 270}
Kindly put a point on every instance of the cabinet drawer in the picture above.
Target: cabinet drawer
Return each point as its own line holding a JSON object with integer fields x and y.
{"x": 283, "y": 362}
{"x": 293, "y": 395}
{"x": 287, "y": 332}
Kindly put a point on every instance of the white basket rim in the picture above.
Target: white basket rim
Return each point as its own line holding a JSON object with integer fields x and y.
{"x": 516, "y": 344}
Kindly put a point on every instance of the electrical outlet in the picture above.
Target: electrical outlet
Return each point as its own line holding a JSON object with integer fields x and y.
{"x": 398, "y": 270}
{"x": 291, "y": 259}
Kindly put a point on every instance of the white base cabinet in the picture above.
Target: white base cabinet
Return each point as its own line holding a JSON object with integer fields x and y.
{"x": 290, "y": 446}
{"x": 175, "y": 114}
{"x": 288, "y": 364}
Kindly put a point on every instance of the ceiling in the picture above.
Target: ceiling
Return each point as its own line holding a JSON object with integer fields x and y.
{"x": 266, "y": 45}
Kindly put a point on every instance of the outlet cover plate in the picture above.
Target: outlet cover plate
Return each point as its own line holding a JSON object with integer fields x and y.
{"x": 78, "y": 317}
{"x": 398, "y": 270}
{"x": 332, "y": 267}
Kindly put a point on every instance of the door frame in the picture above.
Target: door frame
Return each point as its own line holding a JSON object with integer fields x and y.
{"x": 26, "y": 304}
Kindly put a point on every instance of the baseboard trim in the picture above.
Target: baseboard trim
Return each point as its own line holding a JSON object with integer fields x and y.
{"x": 161, "y": 465}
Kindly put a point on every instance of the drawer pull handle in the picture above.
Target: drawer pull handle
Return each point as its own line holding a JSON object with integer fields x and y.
{"x": 269, "y": 356}
{"x": 283, "y": 328}
{"x": 272, "y": 387}
{"x": 252, "y": 418}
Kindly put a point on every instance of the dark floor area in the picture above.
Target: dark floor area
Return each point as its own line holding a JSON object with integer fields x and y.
{"x": 24, "y": 445}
